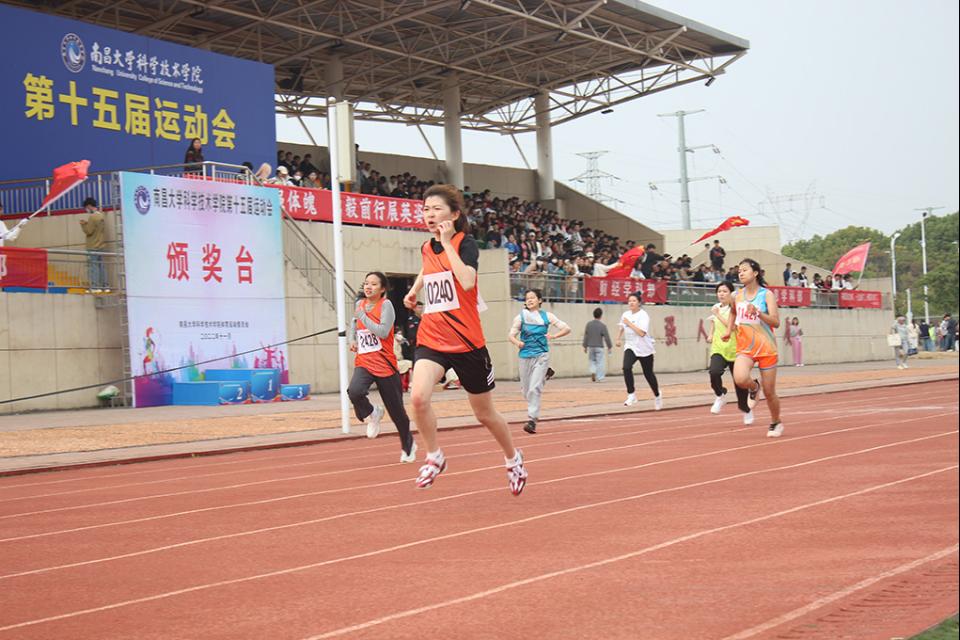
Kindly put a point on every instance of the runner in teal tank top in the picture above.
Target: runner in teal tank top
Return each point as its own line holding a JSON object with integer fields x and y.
{"x": 530, "y": 333}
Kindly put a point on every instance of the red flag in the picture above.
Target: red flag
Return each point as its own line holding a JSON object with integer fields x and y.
{"x": 66, "y": 178}
{"x": 729, "y": 223}
{"x": 853, "y": 260}
{"x": 626, "y": 263}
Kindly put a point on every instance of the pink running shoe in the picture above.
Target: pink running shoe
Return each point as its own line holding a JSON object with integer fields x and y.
{"x": 429, "y": 472}
{"x": 517, "y": 475}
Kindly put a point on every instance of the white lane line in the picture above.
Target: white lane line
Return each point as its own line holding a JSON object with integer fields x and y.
{"x": 129, "y": 470}
{"x": 459, "y": 534}
{"x": 391, "y": 507}
{"x": 698, "y": 422}
{"x": 456, "y": 473}
{"x": 606, "y": 561}
{"x": 843, "y": 593}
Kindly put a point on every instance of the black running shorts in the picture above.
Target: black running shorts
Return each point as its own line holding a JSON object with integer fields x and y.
{"x": 474, "y": 368}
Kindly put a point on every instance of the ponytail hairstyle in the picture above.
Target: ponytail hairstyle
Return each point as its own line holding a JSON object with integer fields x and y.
{"x": 755, "y": 266}
{"x": 384, "y": 282}
{"x": 454, "y": 199}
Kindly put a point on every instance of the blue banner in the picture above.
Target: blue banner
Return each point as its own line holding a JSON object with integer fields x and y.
{"x": 75, "y": 91}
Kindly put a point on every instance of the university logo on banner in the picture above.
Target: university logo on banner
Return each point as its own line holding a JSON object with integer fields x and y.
{"x": 124, "y": 100}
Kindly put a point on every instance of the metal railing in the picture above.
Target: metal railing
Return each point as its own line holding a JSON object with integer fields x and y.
{"x": 26, "y": 196}
{"x": 82, "y": 271}
{"x": 70, "y": 267}
{"x": 567, "y": 288}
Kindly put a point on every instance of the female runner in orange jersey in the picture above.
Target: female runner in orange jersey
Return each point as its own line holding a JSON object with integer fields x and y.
{"x": 450, "y": 335}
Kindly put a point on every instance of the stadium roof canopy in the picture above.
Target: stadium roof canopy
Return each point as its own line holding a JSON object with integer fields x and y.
{"x": 397, "y": 55}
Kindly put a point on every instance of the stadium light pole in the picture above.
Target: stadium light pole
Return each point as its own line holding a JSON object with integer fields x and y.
{"x": 923, "y": 248}
{"x": 333, "y": 148}
{"x": 893, "y": 267}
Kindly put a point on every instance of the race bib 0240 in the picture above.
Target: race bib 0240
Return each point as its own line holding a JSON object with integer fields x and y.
{"x": 440, "y": 292}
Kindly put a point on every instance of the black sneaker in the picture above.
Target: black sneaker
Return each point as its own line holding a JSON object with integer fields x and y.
{"x": 531, "y": 426}
{"x": 550, "y": 373}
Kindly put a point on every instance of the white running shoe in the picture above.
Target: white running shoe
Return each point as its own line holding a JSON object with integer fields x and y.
{"x": 748, "y": 417}
{"x": 373, "y": 422}
{"x": 718, "y": 404}
{"x": 517, "y": 475}
{"x": 631, "y": 400}
{"x": 409, "y": 457}
{"x": 753, "y": 395}
{"x": 430, "y": 470}
{"x": 905, "y": 366}
{"x": 899, "y": 366}
{"x": 775, "y": 430}
{"x": 658, "y": 403}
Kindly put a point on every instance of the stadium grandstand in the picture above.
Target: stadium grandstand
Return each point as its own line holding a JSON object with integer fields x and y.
{"x": 489, "y": 65}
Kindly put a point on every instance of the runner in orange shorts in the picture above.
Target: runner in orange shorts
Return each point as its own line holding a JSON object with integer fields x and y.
{"x": 756, "y": 318}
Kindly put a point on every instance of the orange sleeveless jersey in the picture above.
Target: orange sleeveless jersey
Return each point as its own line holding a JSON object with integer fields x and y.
{"x": 451, "y": 319}
{"x": 373, "y": 353}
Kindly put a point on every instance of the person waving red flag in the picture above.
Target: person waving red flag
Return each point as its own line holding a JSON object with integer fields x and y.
{"x": 853, "y": 260}
{"x": 65, "y": 178}
{"x": 624, "y": 266}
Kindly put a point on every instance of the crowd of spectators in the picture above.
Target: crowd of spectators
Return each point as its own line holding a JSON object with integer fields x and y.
{"x": 538, "y": 240}
{"x": 800, "y": 278}
{"x": 300, "y": 171}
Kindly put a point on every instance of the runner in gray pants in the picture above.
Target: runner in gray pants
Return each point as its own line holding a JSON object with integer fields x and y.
{"x": 530, "y": 333}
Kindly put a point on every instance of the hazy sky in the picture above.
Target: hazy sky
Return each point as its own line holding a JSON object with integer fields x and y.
{"x": 856, "y": 102}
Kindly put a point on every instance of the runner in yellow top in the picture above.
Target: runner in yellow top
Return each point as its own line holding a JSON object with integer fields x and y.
{"x": 756, "y": 318}
{"x": 723, "y": 352}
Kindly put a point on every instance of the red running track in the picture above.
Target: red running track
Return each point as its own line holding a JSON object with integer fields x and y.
{"x": 676, "y": 524}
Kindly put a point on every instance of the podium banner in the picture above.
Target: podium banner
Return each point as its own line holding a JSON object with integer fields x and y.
{"x": 205, "y": 280}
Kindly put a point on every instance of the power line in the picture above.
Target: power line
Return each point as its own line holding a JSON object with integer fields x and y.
{"x": 683, "y": 150}
{"x": 593, "y": 177}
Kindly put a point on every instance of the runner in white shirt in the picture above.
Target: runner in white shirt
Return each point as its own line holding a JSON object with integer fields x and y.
{"x": 634, "y": 336}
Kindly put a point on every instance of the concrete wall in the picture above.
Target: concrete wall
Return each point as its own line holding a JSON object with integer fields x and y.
{"x": 577, "y": 206}
{"x": 849, "y": 335}
{"x": 62, "y": 232}
{"x": 676, "y": 242}
{"x": 53, "y": 342}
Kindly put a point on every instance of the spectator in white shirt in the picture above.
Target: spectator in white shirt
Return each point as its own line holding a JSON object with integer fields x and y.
{"x": 11, "y": 233}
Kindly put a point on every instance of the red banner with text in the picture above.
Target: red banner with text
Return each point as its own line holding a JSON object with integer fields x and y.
{"x": 792, "y": 296}
{"x": 860, "y": 299}
{"x": 23, "y": 267}
{"x": 617, "y": 290}
{"x": 316, "y": 205}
